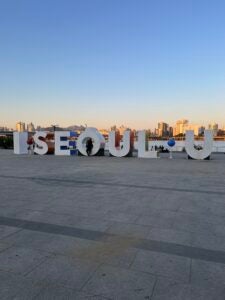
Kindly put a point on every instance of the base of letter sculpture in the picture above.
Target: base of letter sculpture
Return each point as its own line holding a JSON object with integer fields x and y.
{"x": 118, "y": 149}
{"x": 199, "y": 152}
{"x": 143, "y": 147}
{"x": 97, "y": 139}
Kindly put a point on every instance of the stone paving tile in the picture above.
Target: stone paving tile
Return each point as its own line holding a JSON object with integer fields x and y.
{"x": 7, "y": 230}
{"x": 202, "y": 217}
{"x": 20, "y": 260}
{"x": 208, "y": 274}
{"x": 198, "y": 224}
{"x": 132, "y": 230}
{"x": 14, "y": 287}
{"x": 171, "y": 266}
{"x": 68, "y": 246}
{"x": 66, "y": 219}
{"x": 171, "y": 236}
{"x": 170, "y": 290}
{"x": 218, "y": 230}
{"x": 78, "y": 211}
{"x": 214, "y": 206}
{"x": 4, "y": 246}
{"x": 124, "y": 207}
{"x": 38, "y": 205}
{"x": 169, "y": 202}
{"x": 120, "y": 217}
{"x": 69, "y": 272}
{"x": 208, "y": 241}
{"x": 116, "y": 192}
{"x": 89, "y": 223}
{"x": 52, "y": 292}
{"x": 9, "y": 211}
{"x": 124, "y": 259}
{"x": 8, "y": 198}
{"x": 43, "y": 216}
{"x": 115, "y": 251}
{"x": 160, "y": 219}
{"x": 29, "y": 239}
{"x": 117, "y": 283}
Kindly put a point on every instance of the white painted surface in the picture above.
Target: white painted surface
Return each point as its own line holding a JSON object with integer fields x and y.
{"x": 143, "y": 146}
{"x": 59, "y": 143}
{"x": 40, "y": 146}
{"x": 207, "y": 145}
{"x": 124, "y": 147}
{"x": 97, "y": 138}
{"x": 20, "y": 142}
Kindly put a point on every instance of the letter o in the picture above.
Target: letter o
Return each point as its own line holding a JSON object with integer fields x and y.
{"x": 98, "y": 141}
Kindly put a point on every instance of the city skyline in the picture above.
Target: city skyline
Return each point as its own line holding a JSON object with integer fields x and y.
{"x": 112, "y": 62}
{"x": 160, "y": 125}
{"x": 124, "y": 122}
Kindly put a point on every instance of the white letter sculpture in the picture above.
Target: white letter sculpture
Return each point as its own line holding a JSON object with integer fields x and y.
{"x": 143, "y": 148}
{"x": 62, "y": 143}
{"x": 207, "y": 146}
{"x": 95, "y": 135}
{"x": 121, "y": 150}
{"x": 20, "y": 142}
{"x": 41, "y": 147}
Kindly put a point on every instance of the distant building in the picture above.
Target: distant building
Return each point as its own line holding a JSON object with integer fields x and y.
{"x": 20, "y": 126}
{"x": 194, "y": 127}
{"x": 214, "y": 127}
{"x": 163, "y": 129}
{"x": 3, "y": 128}
{"x": 170, "y": 131}
{"x": 183, "y": 125}
{"x": 113, "y": 128}
{"x": 104, "y": 132}
{"x": 122, "y": 129}
{"x": 201, "y": 130}
{"x": 30, "y": 127}
{"x": 180, "y": 126}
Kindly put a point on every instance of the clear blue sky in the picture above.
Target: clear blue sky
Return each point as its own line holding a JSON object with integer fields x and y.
{"x": 105, "y": 62}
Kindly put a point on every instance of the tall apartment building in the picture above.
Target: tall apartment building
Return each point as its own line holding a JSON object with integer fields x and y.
{"x": 183, "y": 125}
{"x": 163, "y": 129}
{"x": 180, "y": 127}
{"x": 170, "y": 131}
{"x": 30, "y": 127}
{"x": 20, "y": 126}
{"x": 195, "y": 128}
{"x": 214, "y": 127}
{"x": 201, "y": 129}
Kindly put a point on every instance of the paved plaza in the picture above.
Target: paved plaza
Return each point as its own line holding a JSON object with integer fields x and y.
{"x": 112, "y": 228}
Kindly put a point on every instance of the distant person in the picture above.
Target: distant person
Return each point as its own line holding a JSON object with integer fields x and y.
{"x": 30, "y": 143}
{"x": 89, "y": 146}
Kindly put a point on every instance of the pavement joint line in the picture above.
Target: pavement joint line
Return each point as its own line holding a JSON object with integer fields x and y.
{"x": 132, "y": 262}
{"x": 38, "y": 265}
{"x": 141, "y": 244}
{"x": 58, "y": 180}
{"x": 153, "y": 289}
{"x": 90, "y": 276}
{"x": 10, "y": 234}
{"x": 190, "y": 271}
